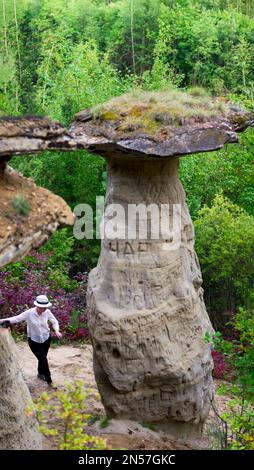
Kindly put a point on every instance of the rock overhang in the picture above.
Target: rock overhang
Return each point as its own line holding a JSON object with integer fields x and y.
{"x": 146, "y": 128}
{"x": 152, "y": 125}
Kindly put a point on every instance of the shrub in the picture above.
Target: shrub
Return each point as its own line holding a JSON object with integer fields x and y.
{"x": 225, "y": 247}
{"x": 239, "y": 356}
{"x": 21, "y": 205}
{"x": 69, "y": 407}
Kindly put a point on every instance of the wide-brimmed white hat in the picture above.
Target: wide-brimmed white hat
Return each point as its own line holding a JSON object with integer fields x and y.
{"x": 42, "y": 301}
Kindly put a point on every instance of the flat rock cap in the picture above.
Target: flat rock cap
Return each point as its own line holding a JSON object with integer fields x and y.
{"x": 160, "y": 124}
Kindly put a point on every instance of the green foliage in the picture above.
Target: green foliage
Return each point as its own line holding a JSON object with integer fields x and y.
{"x": 104, "y": 422}
{"x": 162, "y": 73}
{"x": 76, "y": 177}
{"x": 21, "y": 205}
{"x": 19, "y": 336}
{"x": 69, "y": 407}
{"x": 59, "y": 56}
{"x": 7, "y": 67}
{"x": 150, "y": 110}
{"x": 87, "y": 79}
{"x": 74, "y": 321}
{"x": 211, "y": 47}
{"x": 239, "y": 353}
{"x": 224, "y": 243}
{"x": 149, "y": 426}
{"x": 93, "y": 419}
{"x": 15, "y": 271}
{"x": 59, "y": 279}
{"x": 60, "y": 247}
{"x": 230, "y": 170}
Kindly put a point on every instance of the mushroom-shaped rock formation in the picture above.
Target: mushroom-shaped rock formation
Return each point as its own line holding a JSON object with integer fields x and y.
{"x": 28, "y": 215}
{"x": 147, "y": 315}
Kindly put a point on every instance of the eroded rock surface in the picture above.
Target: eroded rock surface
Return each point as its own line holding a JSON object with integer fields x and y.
{"x": 147, "y": 317}
{"x": 18, "y": 429}
{"x": 136, "y": 130}
{"x": 24, "y": 135}
{"x": 21, "y": 233}
{"x": 159, "y": 124}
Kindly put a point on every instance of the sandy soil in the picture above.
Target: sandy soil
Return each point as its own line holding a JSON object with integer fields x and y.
{"x": 69, "y": 363}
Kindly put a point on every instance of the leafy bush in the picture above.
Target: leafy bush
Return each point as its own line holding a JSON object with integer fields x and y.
{"x": 21, "y": 205}
{"x": 69, "y": 407}
{"x": 239, "y": 355}
{"x": 229, "y": 170}
{"x": 225, "y": 246}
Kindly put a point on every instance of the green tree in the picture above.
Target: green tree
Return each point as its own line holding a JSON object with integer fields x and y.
{"x": 225, "y": 246}
{"x": 238, "y": 418}
{"x": 242, "y": 58}
{"x": 229, "y": 170}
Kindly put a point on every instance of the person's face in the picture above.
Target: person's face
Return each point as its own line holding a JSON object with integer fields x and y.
{"x": 40, "y": 310}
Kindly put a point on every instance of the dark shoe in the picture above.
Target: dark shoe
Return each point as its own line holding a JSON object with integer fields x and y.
{"x": 52, "y": 385}
{"x": 41, "y": 377}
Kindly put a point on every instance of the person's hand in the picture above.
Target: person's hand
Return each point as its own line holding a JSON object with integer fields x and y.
{"x": 58, "y": 334}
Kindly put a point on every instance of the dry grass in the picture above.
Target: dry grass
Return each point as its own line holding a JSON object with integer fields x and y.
{"x": 151, "y": 110}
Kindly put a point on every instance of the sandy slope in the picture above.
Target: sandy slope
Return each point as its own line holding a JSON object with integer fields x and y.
{"x": 68, "y": 363}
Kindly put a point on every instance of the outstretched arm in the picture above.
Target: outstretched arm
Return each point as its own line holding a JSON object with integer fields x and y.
{"x": 16, "y": 319}
{"x": 55, "y": 324}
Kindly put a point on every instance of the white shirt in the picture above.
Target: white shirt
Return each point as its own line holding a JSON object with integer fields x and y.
{"x": 37, "y": 325}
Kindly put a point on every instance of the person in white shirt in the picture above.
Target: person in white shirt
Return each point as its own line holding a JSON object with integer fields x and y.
{"x": 38, "y": 333}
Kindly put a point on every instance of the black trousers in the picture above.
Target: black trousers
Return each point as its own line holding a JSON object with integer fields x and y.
{"x": 40, "y": 350}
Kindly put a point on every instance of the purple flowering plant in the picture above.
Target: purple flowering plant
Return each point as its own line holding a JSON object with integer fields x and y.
{"x": 21, "y": 282}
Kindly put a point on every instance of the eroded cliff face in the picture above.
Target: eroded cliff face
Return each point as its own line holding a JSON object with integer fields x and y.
{"x": 21, "y": 233}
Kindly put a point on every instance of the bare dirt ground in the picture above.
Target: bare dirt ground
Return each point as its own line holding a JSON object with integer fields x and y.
{"x": 71, "y": 363}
